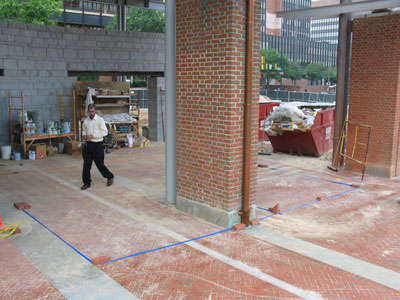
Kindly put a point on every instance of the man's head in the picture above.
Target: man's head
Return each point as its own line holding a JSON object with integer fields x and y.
{"x": 91, "y": 110}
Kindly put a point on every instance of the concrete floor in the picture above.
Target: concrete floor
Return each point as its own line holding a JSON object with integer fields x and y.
{"x": 344, "y": 247}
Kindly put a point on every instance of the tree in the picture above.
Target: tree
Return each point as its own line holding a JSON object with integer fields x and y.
{"x": 330, "y": 74}
{"x": 315, "y": 72}
{"x": 294, "y": 71}
{"x": 30, "y": 11}
{"x": 142, "y": 19}
{"x": 273, "y": 58}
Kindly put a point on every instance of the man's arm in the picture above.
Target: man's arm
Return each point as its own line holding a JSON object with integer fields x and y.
{"x": 103, "y": 131}
{"x": 84, "y": 131}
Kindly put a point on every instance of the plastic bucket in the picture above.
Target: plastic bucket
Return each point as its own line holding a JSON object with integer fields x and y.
{"x": 32, "y": 155}
{"x": 6, "y": 152}
{"x": 17, "y": 156}
{"x": 60, "y": 148}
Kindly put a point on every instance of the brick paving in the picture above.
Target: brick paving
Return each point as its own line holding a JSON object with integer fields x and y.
{"x": 361, "y": 224}
{"x": 19, "y": 279}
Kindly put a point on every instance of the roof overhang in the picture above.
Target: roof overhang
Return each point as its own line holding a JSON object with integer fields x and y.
{"x": 332, "y": 11}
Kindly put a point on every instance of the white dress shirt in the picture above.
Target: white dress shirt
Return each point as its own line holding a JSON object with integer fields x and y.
{"x": 96, "y": 127}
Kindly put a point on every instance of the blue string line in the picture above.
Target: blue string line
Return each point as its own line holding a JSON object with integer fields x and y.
{"x": 357, "y": 188}
{"x": 306, "y": 204}
{"x": 77, "y": 251}
{"x": 310, "y": 176}
{"x": 168, "y": 246}
{"x": 263, "y": 208}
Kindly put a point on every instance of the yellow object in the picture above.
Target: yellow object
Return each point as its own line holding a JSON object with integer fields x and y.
{"x": 10, "y": 229}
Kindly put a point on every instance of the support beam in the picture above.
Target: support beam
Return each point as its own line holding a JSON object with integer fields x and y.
{"x": 342, "y": 78}
{"x": 332, "y": 11}
{"x": 121, "y": 17}
{"x": 170, "y": 116}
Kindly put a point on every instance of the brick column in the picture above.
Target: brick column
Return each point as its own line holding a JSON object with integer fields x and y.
{"x": 210, "y": 41}
{"x": 375, "y": 92}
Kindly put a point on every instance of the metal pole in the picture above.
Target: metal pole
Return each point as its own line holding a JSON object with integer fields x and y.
{"x": 121, "y": 17}
{"x": 341, "y": 97}
{"x": 170, "y": 103}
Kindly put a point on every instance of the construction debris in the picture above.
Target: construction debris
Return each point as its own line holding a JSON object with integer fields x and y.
{"x": 264, "y": 99}
{"x": 288, "y": 117}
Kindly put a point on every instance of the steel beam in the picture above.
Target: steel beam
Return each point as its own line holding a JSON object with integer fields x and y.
{"x": 331, "y": 11}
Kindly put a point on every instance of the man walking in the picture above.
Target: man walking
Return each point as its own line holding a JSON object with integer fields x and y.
{"x": 93, "y": 131}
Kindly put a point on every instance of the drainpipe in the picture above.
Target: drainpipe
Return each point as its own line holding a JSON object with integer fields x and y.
{"x": 245, "y": 212}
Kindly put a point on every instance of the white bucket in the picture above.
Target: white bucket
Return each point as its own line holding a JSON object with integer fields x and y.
{"x": 6, "y": 152}
{"x": 60, "y": 148}
{"x": 32, "y": 155}
{"x": 17, "y": 156}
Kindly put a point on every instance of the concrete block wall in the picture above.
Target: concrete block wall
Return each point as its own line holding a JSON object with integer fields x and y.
{"x": 375, "y": 93}
{"x": 211, "y": 41}
{"x": 36, "y": 59}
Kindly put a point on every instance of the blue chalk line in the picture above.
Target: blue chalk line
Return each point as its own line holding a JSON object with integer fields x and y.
{"x": 306, "y": 204}
{"x": 72, "y": 247}
{"x": 309, "y": 176}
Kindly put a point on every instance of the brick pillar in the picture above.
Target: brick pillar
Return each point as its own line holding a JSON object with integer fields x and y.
{"x": 155, "y": 117}
{"x": 211, "y": 43}
{"x": 375, "y": 92}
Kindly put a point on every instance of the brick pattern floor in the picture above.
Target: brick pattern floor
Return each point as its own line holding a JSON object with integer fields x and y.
{"x": 363, "y": 224}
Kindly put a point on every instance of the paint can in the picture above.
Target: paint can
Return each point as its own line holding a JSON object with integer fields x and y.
{"x": 17, "y": 156}
{"x": 32, "y": 155}
{"x": 6, "y": 152}
{"x": 60, "y": 148}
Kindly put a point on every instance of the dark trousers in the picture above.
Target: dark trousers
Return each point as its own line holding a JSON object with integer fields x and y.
{"x": 94, "y": 152}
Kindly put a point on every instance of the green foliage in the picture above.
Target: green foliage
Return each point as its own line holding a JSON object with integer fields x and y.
{"x": 291, "y": 70}
{"x": 87, "y": 78}
{"x": 272, "y": 57}
{"x": 139, "y": 83}
{"x": 294, "y": 71}
{"x": 142, "y": 20}
{"x": 30, "y": 11}
{"x": 330, "y": 74}
{"x": 315, "y": 72}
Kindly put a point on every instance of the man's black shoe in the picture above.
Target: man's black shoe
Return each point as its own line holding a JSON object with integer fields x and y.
{"x": 110, "y": 181}
{"x": 84, "y": 187}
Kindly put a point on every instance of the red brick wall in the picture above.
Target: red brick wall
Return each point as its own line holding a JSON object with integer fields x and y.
{"x": 210, "y": 90}
{"x": 375, "y": 92}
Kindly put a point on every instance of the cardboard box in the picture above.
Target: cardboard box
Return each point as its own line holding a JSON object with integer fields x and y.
{"x": 73, "y": 148}
{"x": 51, "y": 151}
{"x": 40, "y": 150}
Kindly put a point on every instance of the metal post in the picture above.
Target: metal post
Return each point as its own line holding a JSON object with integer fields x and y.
{"x": 341, "y": 96}
{"x": 170, "y": 105}
{"x": 121, "y": 17}
{"x": 101, "y": 14}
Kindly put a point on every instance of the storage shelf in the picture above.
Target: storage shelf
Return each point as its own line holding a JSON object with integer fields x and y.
{"x": 112, "y": 96}
{"x": 112, "y": 104}
{"x": 50, "y": 136}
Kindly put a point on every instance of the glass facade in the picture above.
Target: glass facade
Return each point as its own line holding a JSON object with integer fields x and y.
{"x": 305, "y": 51}
{"x": 299, "y": 29}
{"x": 325, "y": 30}
{"x": 304, "y": 40}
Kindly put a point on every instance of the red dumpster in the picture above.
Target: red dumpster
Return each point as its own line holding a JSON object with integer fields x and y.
{"x": 313, "y": 142}
{"x": 265, "y": 109}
